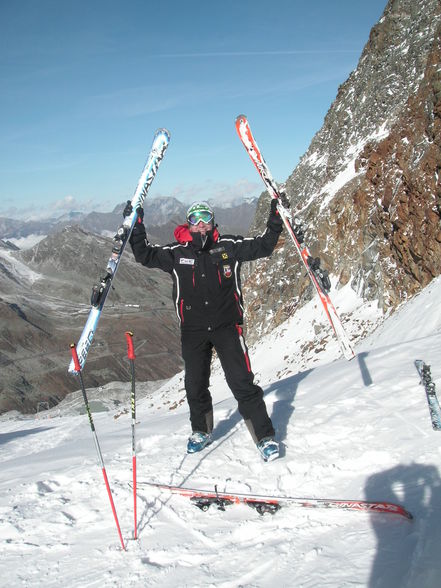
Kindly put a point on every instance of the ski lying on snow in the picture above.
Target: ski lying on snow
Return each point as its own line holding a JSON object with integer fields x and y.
{"x": 160, "y": 143}
{"x": 244, "y": 131}
{"x": 203, "y": 499}
{"x": 432, "y": 399}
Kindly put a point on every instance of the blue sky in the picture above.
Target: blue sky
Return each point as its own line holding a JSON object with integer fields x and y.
{"x": 85, "y": 84}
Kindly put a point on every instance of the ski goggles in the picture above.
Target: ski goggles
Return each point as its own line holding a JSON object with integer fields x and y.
{"x": 200, "y": 215}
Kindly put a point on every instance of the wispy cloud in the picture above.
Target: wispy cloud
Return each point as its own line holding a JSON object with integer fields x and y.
{"x": 68, "y": 203}
{"x": 214, "y": 190}
{"x": 160, "y": 97}
{"x": 53, "y": 209}
{"x": 130, "y": 102}
{"x": 258, "y": 53}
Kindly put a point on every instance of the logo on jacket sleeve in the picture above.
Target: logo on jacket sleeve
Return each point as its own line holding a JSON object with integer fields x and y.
{"x": 227, "y": 271}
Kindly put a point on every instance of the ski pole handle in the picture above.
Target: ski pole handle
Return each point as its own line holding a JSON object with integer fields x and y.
{"x": 130, "y": 351}
{"x": 76, "y": 361}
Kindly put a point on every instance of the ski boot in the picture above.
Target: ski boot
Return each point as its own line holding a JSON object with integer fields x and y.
{"x": 268, "y": 449}
{"x": 198, "y": 441}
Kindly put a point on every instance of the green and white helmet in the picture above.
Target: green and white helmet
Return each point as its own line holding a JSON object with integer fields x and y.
{"x": 200, "y": 211}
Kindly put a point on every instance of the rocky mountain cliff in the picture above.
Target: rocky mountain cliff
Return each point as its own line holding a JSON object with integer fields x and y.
{"x": 368, "y": 190}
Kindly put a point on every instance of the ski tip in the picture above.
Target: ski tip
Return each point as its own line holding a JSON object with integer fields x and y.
{"x": 241, "y": 117}
{"x": 163, "y": 131}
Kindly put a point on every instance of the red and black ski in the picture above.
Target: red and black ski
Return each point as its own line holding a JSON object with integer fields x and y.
{"x": 246, "y": 136}
{"x": 271, "y": 504}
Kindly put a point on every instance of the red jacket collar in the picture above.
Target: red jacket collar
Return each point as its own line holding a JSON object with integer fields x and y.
{"x": 183, "y": 234}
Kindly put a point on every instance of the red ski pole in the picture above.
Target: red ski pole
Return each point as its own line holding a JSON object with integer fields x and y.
{"x": 131, "y": 355}
{"x": 97, "y": 445}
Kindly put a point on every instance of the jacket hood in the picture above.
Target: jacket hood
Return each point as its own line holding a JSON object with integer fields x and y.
{"x": 183, "y": 235}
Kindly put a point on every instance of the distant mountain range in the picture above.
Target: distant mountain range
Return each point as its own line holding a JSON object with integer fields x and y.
{"x": 161, "y": 217}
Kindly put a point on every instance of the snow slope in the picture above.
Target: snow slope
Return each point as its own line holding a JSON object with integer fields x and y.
{"x": 358, "y": 429}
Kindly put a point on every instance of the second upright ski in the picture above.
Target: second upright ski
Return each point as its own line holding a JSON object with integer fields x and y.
{"x": 318, "y": 277}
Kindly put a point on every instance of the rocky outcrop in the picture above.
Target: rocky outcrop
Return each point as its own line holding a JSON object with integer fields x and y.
{"x": 402, "y": 188}
{"x": 368, "y": 189}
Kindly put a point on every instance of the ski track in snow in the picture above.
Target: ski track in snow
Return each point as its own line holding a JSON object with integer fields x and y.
{"x": 349, "y": 430}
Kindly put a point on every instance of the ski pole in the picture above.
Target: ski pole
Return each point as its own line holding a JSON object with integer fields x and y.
{"x": 97, "y": 445}
{"x": 131, "y": 355}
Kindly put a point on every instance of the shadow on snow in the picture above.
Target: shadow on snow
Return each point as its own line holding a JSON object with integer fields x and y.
{"x": 6, "y": 437}
{"x": 407, "y": 552}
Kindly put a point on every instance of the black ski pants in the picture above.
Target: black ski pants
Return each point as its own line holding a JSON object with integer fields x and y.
{"x": 229, "y": 343}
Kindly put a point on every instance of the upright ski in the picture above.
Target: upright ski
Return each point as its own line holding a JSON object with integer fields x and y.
{"x": 203, "y": 499}
{"x": 310, "y": 263}
{"x": 432, "y": 399}
{"x": 100, "y": 292}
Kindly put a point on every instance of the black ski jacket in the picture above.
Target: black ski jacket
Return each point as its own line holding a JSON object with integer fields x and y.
{"x": 207, "y": 289}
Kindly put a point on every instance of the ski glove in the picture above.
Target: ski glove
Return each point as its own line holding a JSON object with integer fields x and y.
{"x": 274, "y": 221}
{"x": 129, "y": 209}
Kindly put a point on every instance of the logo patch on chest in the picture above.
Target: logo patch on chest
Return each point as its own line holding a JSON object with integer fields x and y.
{"x": 186, "y": 261}
{"x": 227, "y": 271}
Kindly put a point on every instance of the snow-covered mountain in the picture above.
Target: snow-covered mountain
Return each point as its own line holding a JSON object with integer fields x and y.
{"x": 350, "y": 430}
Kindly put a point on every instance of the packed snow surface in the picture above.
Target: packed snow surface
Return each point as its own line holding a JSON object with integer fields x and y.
{"x": 349, "y": 430}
